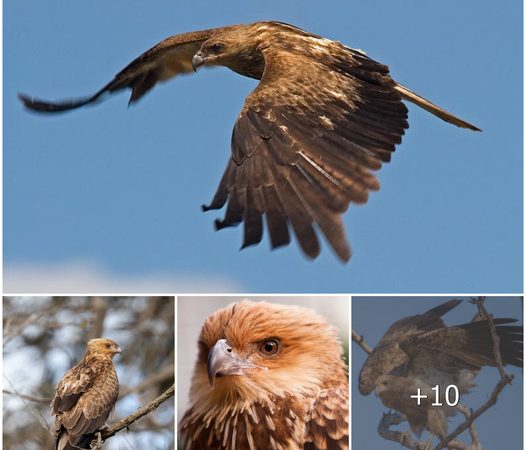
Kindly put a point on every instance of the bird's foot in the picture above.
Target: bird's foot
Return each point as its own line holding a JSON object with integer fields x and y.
{"x": 97, "y": 444}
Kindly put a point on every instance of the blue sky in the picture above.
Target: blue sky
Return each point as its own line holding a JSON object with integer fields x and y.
{"x": 108, "y": 198}
{"x": 499, "y": 427}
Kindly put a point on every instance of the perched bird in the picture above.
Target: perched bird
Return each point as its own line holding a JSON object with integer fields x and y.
{"x": 85, "y": 396}
{"x": 420, "y": 352}
{"x": 309, "y": 138}
{"x": 267, "y": 376}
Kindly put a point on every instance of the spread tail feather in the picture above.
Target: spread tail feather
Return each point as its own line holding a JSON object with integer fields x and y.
{"x": 409, "y": 95}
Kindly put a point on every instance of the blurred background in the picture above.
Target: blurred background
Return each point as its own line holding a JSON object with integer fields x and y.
{"x": 499, "y": 427}
{"x": 192, "y": 312}
{"x": 45, "y": 336}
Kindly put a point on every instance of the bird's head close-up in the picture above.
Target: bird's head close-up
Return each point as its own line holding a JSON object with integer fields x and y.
{"x": 236, "y": 47}
{"x": 255, "y": 350}
{"x": 218, "y": 51}
{"x": 211, "y": 52}
{"x": 103, "y": 346}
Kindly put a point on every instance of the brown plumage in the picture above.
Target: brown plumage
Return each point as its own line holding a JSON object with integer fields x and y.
{"x": 421, "y": 351}
{"x": 309, "y": 138}
{"x": 267, "y": 376}
{"x": 85, "y": 396}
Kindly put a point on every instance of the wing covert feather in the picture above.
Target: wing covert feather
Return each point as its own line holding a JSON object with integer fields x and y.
{"x": 169, "y": 58}
{"x": 309, "y": 138}
{"x": 328, "y": 428}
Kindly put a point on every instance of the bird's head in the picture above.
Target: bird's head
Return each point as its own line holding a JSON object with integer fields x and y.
{"x": 256, "y": 350}
{"x": 387, "y": 358}
{"x": 102, "y": 346}
{"x": 230, "y": 49}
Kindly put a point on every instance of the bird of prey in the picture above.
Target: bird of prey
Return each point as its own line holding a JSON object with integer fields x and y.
{"x": 323, "y": 118}
{"x": 422, "y": 352}
{"x": 85, "y": 396}
{"x": 267, "y": 376}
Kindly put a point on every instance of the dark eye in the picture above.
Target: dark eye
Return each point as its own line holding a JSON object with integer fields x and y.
{"x": 216, "y": 48}
{"x": 269, "y": 347}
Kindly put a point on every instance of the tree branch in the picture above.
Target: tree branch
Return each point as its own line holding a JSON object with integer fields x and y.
{"x": 505, "y": 379}
{"x": 405, "y": 439}
{"x": 495, "y": 338}
{"x": 157, "y": 377}
{"x": 28, "y": 397}
{"x": 472, "y": 429}
{"x": 361, "y": 342}
{"x": 126, "y": 422}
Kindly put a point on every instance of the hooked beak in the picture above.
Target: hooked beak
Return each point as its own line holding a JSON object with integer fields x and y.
{"x": 116, "y": 349}
{"x": 223, "y": 361}
{"x": 198, "y": 60}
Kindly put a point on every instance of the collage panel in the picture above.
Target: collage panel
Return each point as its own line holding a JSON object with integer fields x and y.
{"x": 204, "y": 190}
{"x": 81, "y": 371}
{"x": 176, "y": 157}
{"x": 263, "y": 372}
{"x": 443, "y": 350}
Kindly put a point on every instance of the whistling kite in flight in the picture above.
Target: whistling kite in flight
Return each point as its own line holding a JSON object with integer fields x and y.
{"x": 420, "y": 352}
{"x": 323, "y": 118}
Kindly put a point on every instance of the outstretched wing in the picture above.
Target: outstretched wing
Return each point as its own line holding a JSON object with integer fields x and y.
{"x": 417, "y": 324}
{"x": 388, "y": 355}
{"x": 468, "y": 346}
{"x": 328, "y": 428}
{"x": 307, "y": 142}
{"x": 167, "y": 59}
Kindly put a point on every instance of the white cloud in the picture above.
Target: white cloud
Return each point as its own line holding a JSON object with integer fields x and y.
{"x": 88, "y": 278}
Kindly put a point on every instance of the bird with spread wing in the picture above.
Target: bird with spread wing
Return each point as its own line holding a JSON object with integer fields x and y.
{"x": 308, "y": 139}
{"x": 420, "y": 352}
{"x": 267, "y": 376}
{"x": 85, "y": 396}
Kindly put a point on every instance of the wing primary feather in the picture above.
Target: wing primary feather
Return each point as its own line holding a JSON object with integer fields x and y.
{"x": 328, "y": 221}
{"x": 276, "y": 218}
{"x": 166, "y": 59}
{"x": 253, "y": 221}
{"x": 221, "y": 195}
{"x": 298, "y": 215}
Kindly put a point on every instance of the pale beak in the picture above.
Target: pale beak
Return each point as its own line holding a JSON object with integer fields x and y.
{"x": 198, "y": 60}
{"x": 117, "y": 349}
{"x": 223, "y": 361}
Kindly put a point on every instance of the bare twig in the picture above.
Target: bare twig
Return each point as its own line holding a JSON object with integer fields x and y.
{"x": 495, "y": 338}
{"x": 475, "y": 414}
{"x": 157, "y": 377}
{"x": 505, "y": 379}
{"x": 126, "y": 422}
{"x": 475, "y": 444}
{"x": 404, "y": 438}
{"x": 28, "y": 397}
{"x": 361, "y": 342}
{"x": 13, "y": 331}
{"x": 99, "y": 307}
{"x": 33, "y": 410}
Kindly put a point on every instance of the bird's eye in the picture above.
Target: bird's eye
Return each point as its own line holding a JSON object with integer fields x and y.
{"x": 270, "y": 347}
{"x": 216, "y": 48}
